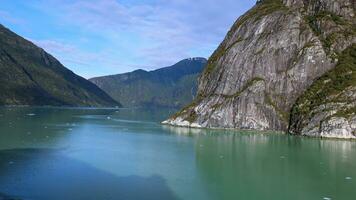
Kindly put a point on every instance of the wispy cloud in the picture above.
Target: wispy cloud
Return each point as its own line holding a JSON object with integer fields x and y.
{"x": 7, "y": 17}
{"x": 80, "y": 60}
{"x": 169, "y": 30}
{"x": 132, "y": 33}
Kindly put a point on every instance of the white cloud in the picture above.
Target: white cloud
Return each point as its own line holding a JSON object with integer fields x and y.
{"x": 159, "y": 32}
{"x": 80, "y": 61}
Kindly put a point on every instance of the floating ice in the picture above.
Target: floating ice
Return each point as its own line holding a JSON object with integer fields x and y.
{"x": 326, "y": 198}
{"x": 348, "y": 178}
{"x": 31, "y": 114}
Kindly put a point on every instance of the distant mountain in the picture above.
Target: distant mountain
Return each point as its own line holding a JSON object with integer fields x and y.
{"x": 30, "y": 76}
{"x": 172, "y": 86}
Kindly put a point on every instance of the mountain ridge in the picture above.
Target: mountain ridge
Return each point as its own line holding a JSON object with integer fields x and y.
{"x": 176, "y": 84}
{"x": 31, "y": 76}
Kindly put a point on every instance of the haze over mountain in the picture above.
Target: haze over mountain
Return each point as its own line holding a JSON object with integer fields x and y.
{"x": 173, "y": 86}
{"x": 284, "y": 65}
{"x": 30, "y": 76}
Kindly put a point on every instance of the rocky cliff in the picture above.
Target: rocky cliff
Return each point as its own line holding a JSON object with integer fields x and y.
{"x": 268, "y": 59}
{"x": 30, "y": 76}
{"x": 328, "y": 107}
{"x": 174, "y": 86}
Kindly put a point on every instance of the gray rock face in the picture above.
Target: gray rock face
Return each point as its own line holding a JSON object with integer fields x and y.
{"x": 326, "y": 123}
{"x": 271, "y": 55}
{"x": 328, "y": 107}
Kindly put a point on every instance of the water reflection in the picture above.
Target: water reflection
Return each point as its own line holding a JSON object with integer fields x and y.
{"x": 8, "y": 197}
{"x": 50, "y": 179}
{"x": 183, "y": 130}
{"x": 127, "y": 154}
{"x": 277, "y": 166}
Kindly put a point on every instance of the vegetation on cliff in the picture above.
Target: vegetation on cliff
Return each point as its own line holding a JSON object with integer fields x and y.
{"x": 261, "y": 9}
{"x": 289, "y": 45}
{"x": 328, "y": 89}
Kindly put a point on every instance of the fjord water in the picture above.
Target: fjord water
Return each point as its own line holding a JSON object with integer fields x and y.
{"x": 63, "y": 153}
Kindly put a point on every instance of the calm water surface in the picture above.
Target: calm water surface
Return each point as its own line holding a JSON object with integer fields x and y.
{"x": 65, "y": 154}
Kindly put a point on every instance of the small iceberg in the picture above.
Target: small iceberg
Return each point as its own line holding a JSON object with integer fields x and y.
{"x": 31, "y": 114}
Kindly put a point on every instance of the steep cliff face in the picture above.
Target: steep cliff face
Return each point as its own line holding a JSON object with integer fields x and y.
{"x": 271, "y": 55}
{"x": 328, "y": 107}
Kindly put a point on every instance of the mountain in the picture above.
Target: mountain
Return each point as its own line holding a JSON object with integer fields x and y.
{"x": 276, "y": 58}
{"x": 328, "y": 107}
{"x": 30, "y": 76}
{"x": 173, "y": 86}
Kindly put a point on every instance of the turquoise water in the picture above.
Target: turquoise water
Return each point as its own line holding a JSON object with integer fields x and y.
{"x": 52, "y": 153}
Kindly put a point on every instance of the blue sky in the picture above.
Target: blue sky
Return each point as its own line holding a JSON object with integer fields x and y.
{"x": 102, "y": 37}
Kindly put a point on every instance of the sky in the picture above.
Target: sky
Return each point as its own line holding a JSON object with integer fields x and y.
{"x": 102, "y": 37}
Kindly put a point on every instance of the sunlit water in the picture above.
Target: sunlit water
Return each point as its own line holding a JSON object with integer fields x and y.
{"x": 65, "y": 154}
